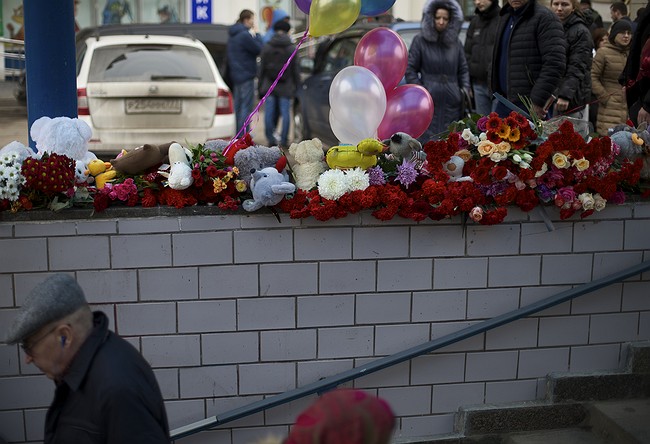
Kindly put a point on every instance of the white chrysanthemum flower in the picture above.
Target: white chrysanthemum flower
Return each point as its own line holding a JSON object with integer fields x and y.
{"x": 357, "y": 179}
{"x": 332, "y": 184}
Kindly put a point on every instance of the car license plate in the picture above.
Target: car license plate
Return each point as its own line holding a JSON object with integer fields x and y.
{"x": 153, "y": 106}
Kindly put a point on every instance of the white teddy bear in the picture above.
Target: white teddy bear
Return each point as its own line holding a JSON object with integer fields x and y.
{"x": 61, "y": 135}
{"x": 309, "y": 163}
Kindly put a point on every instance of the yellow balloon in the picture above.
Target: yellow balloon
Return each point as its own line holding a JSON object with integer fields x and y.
{"x": 332, "y": 16}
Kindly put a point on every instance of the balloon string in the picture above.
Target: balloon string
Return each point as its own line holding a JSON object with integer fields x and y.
{"x": 268, "y": 93}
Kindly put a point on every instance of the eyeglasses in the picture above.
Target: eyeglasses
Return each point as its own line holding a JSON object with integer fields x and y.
{"x": 29, "y": 347}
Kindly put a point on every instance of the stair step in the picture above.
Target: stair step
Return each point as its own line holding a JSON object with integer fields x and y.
{"x": 563, "y": 387}
{"x": 491, "y": 419}
{"x": 561, "y": 436}
{"x": 622, "y": 422}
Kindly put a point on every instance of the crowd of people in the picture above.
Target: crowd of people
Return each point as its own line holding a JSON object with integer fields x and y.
{"x": 550, "y": 59}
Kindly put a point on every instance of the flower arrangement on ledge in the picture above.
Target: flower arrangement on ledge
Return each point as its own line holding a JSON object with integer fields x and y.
{"x": 484, "y": 166}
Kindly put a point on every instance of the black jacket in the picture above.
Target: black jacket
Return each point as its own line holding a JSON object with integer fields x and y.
{"x": 536, "y": 54}
{"x": 575, "y": 86}
{"x": 437, "y": 62}
{"x": 633, "y": 77}
{"x": 479, "y": 44}
{"x": 273, "y": 58}
{"x": 109, "y": 395}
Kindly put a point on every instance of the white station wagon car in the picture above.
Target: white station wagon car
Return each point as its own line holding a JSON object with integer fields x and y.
{"x": 137, "y": 89}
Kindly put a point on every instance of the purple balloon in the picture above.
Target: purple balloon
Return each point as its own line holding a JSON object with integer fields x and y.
{"x": 409, "y": 109}
{"x": 304, "y": 5}
{"x": 383, "y": 52}
{"x": 375, "y": 7}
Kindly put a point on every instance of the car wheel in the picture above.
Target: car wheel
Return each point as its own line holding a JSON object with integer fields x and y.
{"x": 299, "y": 130}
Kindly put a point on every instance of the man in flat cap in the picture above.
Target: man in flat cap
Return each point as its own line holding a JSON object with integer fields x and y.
{"x": 105, "y": 391}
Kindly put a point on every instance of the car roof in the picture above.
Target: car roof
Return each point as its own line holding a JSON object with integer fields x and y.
{"x": 134, "y": 39}
{"x": 208, "y": 33}
{"x": 398, "y": 26}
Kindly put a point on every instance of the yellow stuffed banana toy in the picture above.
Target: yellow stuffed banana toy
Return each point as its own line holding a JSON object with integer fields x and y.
{"x": 364, "y": 155}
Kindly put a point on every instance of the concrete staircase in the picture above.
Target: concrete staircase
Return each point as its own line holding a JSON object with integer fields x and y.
{"x": 589, "y": 408}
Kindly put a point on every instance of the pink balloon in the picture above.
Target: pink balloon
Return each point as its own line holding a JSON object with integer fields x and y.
{"x": 409, "y": 109}
{"x": 384, "y": 53}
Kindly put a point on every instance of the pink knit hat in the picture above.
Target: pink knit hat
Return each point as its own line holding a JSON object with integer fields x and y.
{"x": 344, "y": 416}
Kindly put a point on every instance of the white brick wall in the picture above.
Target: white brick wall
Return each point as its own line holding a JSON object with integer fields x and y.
{"x": 229, "y": 309}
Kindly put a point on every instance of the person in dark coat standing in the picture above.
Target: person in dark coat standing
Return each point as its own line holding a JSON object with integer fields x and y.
{"x": 575, "y": 87}
{"x": 479, "y": 45}
{"x": 278, "y": 104}
{"x": 106, "y": 393}
{"x": 592, "y": 16}
{"x": 636, "y": 76}
{"x": 529, "y": 56}
{"x": 437, "y": 62}
{"x": 242, "y": 49}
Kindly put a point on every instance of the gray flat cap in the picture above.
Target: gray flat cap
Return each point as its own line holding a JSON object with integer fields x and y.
{"x": 51, "y": 300}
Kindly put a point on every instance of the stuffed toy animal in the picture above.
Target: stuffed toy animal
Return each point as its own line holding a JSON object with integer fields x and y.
{"x": 82, "y": 172}
{"x": 364, "y": 155}
{"x": 268, "y": 187}
{"x": 634, "y": 144}
{"x": 61, "y": 135}
{"x": 17, "y": 149}
{"x": 309, "y": 163}
{"x": 454, "y": 168}
{"x": 247, "y": 158}
{"x": 102, "y": 172}
{"x": 140, "y": 159}
{"x": 179, "y": 176}
{"x": 402, "y": 146}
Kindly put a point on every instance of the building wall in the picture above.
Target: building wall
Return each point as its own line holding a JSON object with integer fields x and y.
{"x": 229, "y": 309}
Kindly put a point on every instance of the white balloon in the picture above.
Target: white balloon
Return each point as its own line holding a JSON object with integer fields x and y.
{"x": 358, "y": 101}
{"x": 345, "y": 133}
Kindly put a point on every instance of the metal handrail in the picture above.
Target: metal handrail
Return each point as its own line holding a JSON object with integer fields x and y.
{"x": 382, "y": 363}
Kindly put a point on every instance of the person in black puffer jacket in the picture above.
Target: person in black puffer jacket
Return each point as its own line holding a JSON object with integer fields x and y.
{"x": 479, "y": 44}
{"x": 437, "y": 62}
{"x": 529, "y": 56}
{"x": 636, "y": 76}
{"x": 575, "y": 87}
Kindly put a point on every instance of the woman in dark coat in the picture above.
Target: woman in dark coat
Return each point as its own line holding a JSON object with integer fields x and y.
{"x": 574, "y": 91}
{"x": 437, "y": 62}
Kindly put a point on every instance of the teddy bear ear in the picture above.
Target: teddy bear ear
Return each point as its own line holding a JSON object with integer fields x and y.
{"x": 84, "y": 129}
{"x": 38, "y": 126}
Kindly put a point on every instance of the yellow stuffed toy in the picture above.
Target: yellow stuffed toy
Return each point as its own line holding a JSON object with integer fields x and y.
{"x": 103, "y": 172}
{"x": 364, "y": 155}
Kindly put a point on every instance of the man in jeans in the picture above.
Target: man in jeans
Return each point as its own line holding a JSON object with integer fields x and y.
{"x": 275, "y": 55}
{"x": 244, "y": 45}
{"x": 479, "y": 44}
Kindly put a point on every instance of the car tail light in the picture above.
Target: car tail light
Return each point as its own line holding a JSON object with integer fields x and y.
{"x": 82, "y": 102}
{"x": 224, "y": 102}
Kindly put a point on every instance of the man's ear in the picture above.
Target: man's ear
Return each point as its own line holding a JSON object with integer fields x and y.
{"x": 66, "y": 335}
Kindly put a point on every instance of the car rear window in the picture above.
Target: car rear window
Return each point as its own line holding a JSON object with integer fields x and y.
{"x": 137, "y": 63}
